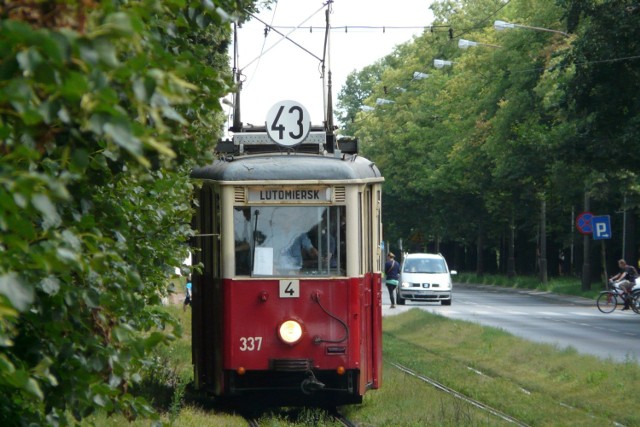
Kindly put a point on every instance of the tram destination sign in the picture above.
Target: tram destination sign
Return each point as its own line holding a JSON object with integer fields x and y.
{"x": 294, "y": 195}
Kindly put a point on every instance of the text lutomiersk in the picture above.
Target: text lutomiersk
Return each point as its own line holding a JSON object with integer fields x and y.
{"x": 289, "y": 195}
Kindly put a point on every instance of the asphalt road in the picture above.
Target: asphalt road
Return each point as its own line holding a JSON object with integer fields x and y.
{"x": 542, "y": 317}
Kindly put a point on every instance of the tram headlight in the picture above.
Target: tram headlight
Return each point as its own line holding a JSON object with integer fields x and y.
{"x": 290, "y": 331}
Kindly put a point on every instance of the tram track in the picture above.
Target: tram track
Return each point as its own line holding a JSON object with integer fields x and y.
{"x": 458, "y": 395}
{"x": 294, "y": 416}
{"x": 341, "y": 418}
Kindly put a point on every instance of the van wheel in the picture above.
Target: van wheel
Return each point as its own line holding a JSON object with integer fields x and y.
{"x": 446, "y": 301}
{"x": 399, "y": 299}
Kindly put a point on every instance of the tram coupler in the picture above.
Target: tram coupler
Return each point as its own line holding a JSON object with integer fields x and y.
{"x": 311, "y": 384}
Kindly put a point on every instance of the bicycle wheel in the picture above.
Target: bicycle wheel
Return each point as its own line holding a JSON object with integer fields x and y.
{"x": 635, "y": 301}
{"x": 606, "y": 302}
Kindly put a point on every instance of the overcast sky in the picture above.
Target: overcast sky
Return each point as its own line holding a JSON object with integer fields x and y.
{"x": 288, "y": 72}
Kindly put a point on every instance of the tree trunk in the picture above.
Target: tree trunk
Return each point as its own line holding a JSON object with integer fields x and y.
{"x": 511, "y": 260}
{"x": 479, "y": 257}
{"x": 543, "y": 241}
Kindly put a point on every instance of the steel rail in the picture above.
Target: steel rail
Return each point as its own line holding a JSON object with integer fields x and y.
{"x": 341, "y": 418}
{"x": 459, "y": 395}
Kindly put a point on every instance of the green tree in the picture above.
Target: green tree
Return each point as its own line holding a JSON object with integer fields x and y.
{"x": 104, "y": 109}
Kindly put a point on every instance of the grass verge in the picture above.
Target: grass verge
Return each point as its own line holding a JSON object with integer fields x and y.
{"x": 535, "y": 383}
{"x": 558, "y": 285}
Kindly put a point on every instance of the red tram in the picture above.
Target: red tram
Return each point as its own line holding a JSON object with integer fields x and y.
{"x": 287, "y": 307}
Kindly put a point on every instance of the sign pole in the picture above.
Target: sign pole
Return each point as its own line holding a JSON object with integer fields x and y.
{"x": 601, "y": 230}
{"x": 586, "y": 267}
{"x": 604, "y": 265}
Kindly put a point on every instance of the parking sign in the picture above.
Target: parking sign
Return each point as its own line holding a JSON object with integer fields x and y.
{"x": 601, "y": 226}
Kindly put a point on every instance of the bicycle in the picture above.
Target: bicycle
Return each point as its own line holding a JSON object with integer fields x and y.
{"x": 608, "y": 300}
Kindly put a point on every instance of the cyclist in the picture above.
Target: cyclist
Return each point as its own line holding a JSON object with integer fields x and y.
{"x": 625, "y": 280}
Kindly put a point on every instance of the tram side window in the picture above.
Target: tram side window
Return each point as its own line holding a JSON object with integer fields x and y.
{"x": 208, "y": 223}
{"x": 290, "y": 240}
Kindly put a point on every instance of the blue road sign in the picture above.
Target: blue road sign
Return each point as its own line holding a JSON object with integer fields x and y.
{"x": 601, "y": 226}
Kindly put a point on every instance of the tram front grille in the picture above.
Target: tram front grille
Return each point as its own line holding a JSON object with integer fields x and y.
{"x": 291, "y": 364}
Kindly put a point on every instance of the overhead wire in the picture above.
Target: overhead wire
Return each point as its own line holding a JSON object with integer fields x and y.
{"x": 264, "y": 42}
{"x": 476, "y": 26}
{"x": 480, "y": 24}
{"x": 285, "y": 37}
{"x": 270, "y": 26}
{"x": 346, "y": 28}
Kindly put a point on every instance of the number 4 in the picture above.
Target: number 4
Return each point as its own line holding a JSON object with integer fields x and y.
{"x": 280, "y": 127}
{"x": 289, "y": 290}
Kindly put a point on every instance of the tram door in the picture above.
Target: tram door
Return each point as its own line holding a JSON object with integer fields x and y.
{"x": 368, "y": 248}
{"x": 206, "y": 327}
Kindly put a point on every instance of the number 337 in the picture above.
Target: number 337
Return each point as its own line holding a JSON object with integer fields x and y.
{"x": 250, "y": 343}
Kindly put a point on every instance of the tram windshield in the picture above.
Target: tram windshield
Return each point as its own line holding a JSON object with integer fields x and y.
{"x": 290, "y": 240}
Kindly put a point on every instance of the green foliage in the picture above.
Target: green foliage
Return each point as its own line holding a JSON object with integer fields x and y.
{"x": 474, "y": 149}
{"x": 104, "y": 109}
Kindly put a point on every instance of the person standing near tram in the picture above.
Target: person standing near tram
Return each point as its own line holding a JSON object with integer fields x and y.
{"x": 392, "y": 273}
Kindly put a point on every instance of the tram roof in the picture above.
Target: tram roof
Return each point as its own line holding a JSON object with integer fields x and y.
{"x": 290, "y": 167}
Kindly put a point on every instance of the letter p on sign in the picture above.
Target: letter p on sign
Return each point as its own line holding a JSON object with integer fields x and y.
{"x": 601, "y": 227}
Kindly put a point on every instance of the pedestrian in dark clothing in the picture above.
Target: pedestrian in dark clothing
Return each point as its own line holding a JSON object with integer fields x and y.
{"x": 187, "y": 294}
{"x": 392, "y": 272}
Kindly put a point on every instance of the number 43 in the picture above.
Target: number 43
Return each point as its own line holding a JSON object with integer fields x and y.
{"x": 280, "y": 128}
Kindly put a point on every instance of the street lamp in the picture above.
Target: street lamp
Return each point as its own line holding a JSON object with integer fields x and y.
{"x": 382, "y": 101}
{"x": 465, "y": 44}
{"x": 366, "y": 108}
{"x": 440, "y": 63}
{"x": 502, "y": 25}
{"x": 417, "y": 75}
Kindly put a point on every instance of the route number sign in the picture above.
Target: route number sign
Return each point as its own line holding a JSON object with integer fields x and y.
{"x": 288, "y": 123}
{"x": 289, "y": 289}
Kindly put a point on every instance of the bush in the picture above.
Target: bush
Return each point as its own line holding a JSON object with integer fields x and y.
{"x": 104, "y": 109}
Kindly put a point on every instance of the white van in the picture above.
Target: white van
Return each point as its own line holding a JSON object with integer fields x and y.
{"x": 425, "y": 277}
